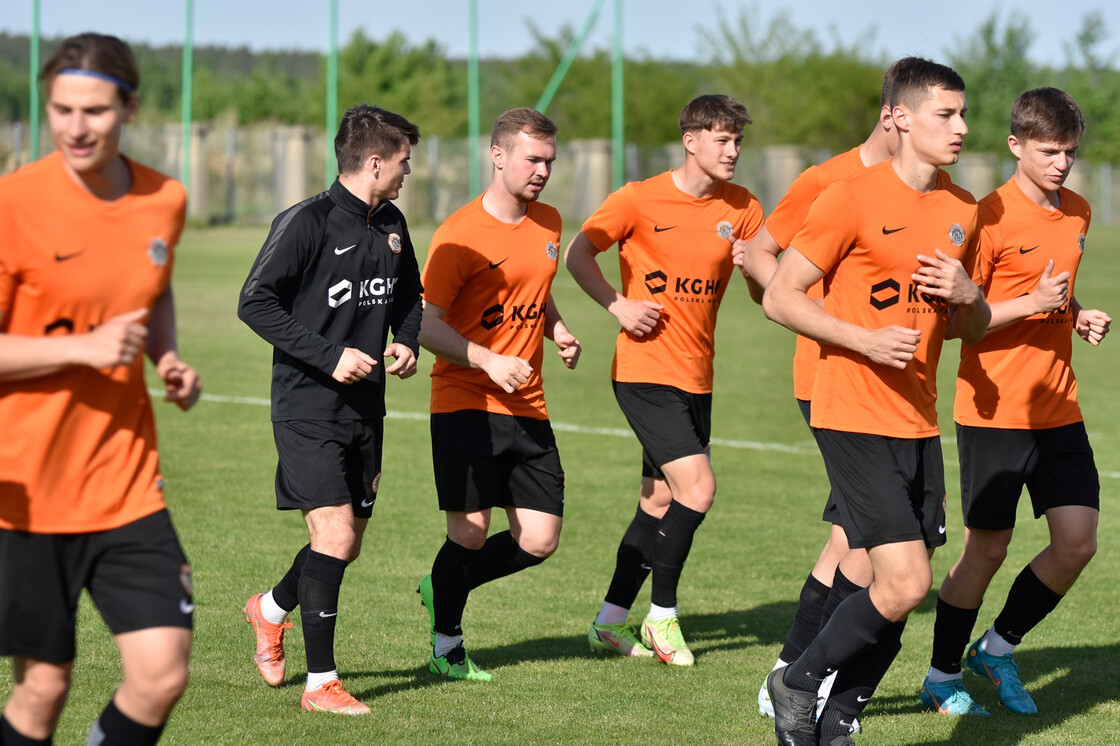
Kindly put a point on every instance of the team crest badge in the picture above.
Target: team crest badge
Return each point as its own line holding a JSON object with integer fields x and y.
{"x": 158, "y": 252}
{"x": 956, "y": 234}
{"x": 551, "y": 250}
{"x": 394, "y": 243}
{"x": 1081, "y": 242}
{"x": 186, "y": 578}
{"x": 725, "y": 229}
{"x": 376, "y": 483}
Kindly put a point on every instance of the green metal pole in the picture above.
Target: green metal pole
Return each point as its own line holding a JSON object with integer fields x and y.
{"x": 472, "y": 101}
{"x": 618, "y": 129}
{"x": 188, "y": 96}
{"x": 33, "y": 135}
{"x": 332, "y": 96}
{"x": 569, "y": 57}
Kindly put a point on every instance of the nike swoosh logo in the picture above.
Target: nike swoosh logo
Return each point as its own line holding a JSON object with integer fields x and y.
{"x": 941, "y": 529}
{"x": 367, "y": 503}
{"x": 66, "y": 257}
{"x": 186, "y": 606}
{"x": 861, "y": 699}
{"x": 887, "y": 231}
{"x": 1027, "y": 251}
{"x": 340, "y": 252}
{"x": 658, "y": 229}
{"x": 495, "y": 265}
{"x": 325, "y": 615}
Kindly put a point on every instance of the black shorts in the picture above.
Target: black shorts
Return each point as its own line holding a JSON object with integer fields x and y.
{"x": 887, "y": 489}
{"x": 484, "y": 460}
{"x": 670, "y": 423}
{"x": 137, "y": 576}
{"x": 831, "y": 513}
{"x": 328, "y": 463}
{"x": 1056, "y": 466}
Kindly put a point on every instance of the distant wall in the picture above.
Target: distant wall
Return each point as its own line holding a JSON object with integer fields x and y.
{"x": 248, "y": 174}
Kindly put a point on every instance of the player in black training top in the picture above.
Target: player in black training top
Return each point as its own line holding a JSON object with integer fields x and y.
{"x": 336, "y": 272}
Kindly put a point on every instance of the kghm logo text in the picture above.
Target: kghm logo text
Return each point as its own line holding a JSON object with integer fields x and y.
{"x": 524, "y": 316}
{"x": 377, "y": 291}
{"x": 684, "y": 289}
{"x": 887, "y": 293}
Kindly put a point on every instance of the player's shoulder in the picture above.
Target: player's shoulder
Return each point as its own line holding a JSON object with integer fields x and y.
{"x": 945, "y": 182}
{"x": 458, "y": 222}
{"x": 22, "y": 183}
{"x": 545, "y": 215}
{"x": 1073, "y": 203}
{"x": 736, "y": 195}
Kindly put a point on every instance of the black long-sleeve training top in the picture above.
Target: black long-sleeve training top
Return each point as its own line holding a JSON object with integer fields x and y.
{"x": 333, "y": 273}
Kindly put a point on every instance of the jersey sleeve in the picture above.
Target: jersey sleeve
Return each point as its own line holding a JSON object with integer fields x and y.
{"x": 753, "y": 220}
{"x": 8, "y": 270}
{"x": 988, "y": 249}
{"x": 829, "y": 229}
{"x": 790, "y": 213}
{"x": 266, "y": 298}
{"x": 446, "y": 270}
{"x": 613, "y": 221}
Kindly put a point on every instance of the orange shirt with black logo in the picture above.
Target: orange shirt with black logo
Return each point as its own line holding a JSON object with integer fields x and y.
{"x": 673, "y": 249}
{"x": 78, "y": 452}
{"x": 783, "y": 224}
{"x": 494, "y": 280}
{"x": 865, "y": 234}
{"x": 1020, "y": 376}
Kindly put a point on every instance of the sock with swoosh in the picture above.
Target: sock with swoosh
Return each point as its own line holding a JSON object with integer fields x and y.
{"x": 632, "y": 561}
{"x": 855, "y": 626}
{"x": 857, "y": 681}
{"x": 1028, "y": 603}
{"x": 319, "y": 584}
{"x": 807, "y": 619}
{"x": 670, "y": 550}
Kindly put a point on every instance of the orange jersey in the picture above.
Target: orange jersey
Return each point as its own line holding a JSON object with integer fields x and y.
{"x": 783, "y": 224}
{"x": 1020, "y": 376}
{"x": 495, "y": 282}
{"x": 674, "y": 249}
{"x": 78, "y": 452}
{"x": 865, "y": 233}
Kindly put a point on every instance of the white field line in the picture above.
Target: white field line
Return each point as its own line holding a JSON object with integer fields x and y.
{"x": 612, "y": 432}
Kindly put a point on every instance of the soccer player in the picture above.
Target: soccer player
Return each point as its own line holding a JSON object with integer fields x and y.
{"x": 487, "y": 309}
{"x": 896, "y": 242}
{"x": 335, "y": 274}
{"x": 1018, "y": 420}
{"x": 829, "y": 582}
{"x": 87, "y": 239}
{"x": 675, "y": 232}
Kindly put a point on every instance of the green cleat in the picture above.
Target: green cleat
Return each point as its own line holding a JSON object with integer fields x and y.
{"x": 666, "y": 641}
{"x": 457, "y": 665}
{"x": 425, "y": 591}
{"x": 617, "y": 638}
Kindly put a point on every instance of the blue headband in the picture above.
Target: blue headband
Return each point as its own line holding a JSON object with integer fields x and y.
{"x": 127, "y": 88}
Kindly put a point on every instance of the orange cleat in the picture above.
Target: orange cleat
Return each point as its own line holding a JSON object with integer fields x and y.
{"x": 270, "y": 642}
{"x": 331, "y": 697}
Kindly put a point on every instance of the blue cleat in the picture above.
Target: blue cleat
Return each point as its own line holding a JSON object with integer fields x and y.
{"x": 1003, "y": 672}
{"x": 949, "y": 698}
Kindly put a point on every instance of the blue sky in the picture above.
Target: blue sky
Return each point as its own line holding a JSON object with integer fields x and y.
{"x": 657, "y": 27}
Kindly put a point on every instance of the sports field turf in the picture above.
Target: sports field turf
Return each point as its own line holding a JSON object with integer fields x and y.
{"x": 739, "y": 588}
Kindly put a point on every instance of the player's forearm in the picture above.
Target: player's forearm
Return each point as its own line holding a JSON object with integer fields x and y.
{"x": 162, "y": 337}
{"x": 264, "y": 315}
{"x": 440, "y": 339}
{"x": 796, "y": 311}
{"x": 23, "y": 358}
{"x": 581, "y": 259}
{"x": 761, "y": 259}
{"x": 970, "y": 321}
{"x": 1007, "y": 312}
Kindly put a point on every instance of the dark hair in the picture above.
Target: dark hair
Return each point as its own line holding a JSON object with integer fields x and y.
{"x": 521, "y": 119}
{"x": 714, "y": 112}
{"x": 1047, "y": 115}
{"x": 914, "y": 80}
{"x": 369, "y": 130}
{"x": 893, "y": 73}
{"x": 105, "y": 56}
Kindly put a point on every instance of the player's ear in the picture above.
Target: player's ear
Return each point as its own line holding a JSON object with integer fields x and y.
{"x": 689, "y": 140}
{"x": 375, "y": 164}
{"x": 885, "y": 119}
{"x": 498, "y": 156}
{"x": 1015, "y": 146}
{"x": 900, "y": 116}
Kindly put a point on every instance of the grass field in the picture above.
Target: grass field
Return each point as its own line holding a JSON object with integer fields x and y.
{"x": 738, "y": 593}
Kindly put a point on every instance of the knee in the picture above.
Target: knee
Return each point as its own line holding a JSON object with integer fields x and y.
{"x": 343, "y": 545}
{"x": 43, "y": 692}
{"x": 698, "y": 496}
{"x": 1078, "y": 554}
{"x": 541, "y": 547}
{"x": 157, "y": 691}
{"x": 986, "y": 557}
{"x": 468, "y": 535}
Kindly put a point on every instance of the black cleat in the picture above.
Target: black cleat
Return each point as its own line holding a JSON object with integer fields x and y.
{"x": 794, "y": 712}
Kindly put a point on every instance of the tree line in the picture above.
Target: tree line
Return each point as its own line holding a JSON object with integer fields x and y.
{"x": 800, "y": 90}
